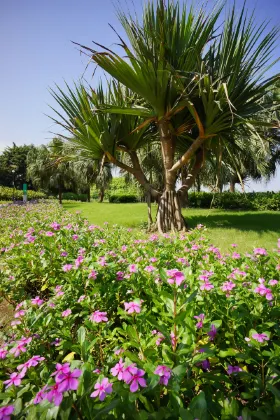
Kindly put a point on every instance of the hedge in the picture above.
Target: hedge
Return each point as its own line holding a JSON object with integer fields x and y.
{"x": 120, "y": 197}
{"x": 235, "y": 201}
{"x": 74, "y": 197}
{"x": 7, "y": 194}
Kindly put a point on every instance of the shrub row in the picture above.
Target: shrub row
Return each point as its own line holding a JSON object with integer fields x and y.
{"x": 227, "y": 200}
{"x": 74, "y": 197}
{"x": 7, "y": 194}
{"x": 121, "y": 197}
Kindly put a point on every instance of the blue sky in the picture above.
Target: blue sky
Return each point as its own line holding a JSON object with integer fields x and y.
{"x": 36, "y": 53}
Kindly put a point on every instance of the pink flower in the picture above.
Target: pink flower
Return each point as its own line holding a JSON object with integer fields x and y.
{"x": 234, "y": 245}
{"x": 75, "y": 237}
{"x": 153, "y": 259}
{"x": 81, "y": 298}
{"x": 118, "y": 370}
{"x": 164, "y": 372}
{"x": 41, "y": 395}
{"x": 92, "y": 274}
{"x": 5, "y": 412}
{"x": 272, "y": 282}
{"x": 67, "y": 381}
{"x": 212, "y": 333}
{"x": 15, "y": 378}
{"x": 182, "y": 261}
{"x": 102, "y": 388}
{"x": 67, "y": 267}
{"x": 54, "y": 395}
{"x": 206, "y": 286}
{"x": 260, "y": 337}
{"x": 262, "y": 290}
{"x": 135, "y": 378}
{"x": 34, "y": 361}
{"x": 64, "y": 254}
{"x": 175, "y": 276}
{"x": 160, "y": 338}
{"x": 132, "y": 307}
{"x": 79, "y": 261}
{"x": 228, "y": 286}
{"x": 102, "y": 261}
{"x": 235, "y": 256}
{"x": 37, "y": 301}
{"x": 19, "y": 305}
{"x": 66, "y": 313}
{"x": 120, "y": 275}
{"x": 260, "y": 251}
{"x": 233, "y": 369}
{"x": 19, "y": 348}
{"x": 149, "y": 268}
{"x": 132, "y": 268}
{"x": 98, "y": 316}
{"x": 65, "y": 368}
{"x": 200, "y": 318}
{"x": 20, "y": 313}
{"x": 3, "y": 352}
{"x": 24, "y": 340}
{"x": 55, "y": 225}
{"x": 14, "y": 323}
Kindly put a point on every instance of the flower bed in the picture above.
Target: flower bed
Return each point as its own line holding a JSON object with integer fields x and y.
{"x": 110, "y": 323}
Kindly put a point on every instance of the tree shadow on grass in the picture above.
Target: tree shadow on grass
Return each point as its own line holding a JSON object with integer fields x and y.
{"x": 249, "y": 221}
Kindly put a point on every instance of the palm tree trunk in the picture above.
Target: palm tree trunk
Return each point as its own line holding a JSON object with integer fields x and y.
{"x": 101, "y": 195}
{"x": 60, "y": 194}
{"x": 169, "y": 216}
{"x": 189, "y": 178}
{"x": 88, "y": 194}
{"x": 232, "y": 186}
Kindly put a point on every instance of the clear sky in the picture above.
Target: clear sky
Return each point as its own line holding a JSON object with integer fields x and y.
{"x": 36, "y": 52}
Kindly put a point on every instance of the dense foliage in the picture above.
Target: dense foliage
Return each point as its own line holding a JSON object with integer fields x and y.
{"x": 14, "y": 159}
{"x": 110, "y": 323}
{"x": 240, "y": 201}
{"x": 7, "y": 194}
{"x": 74, "y": 197}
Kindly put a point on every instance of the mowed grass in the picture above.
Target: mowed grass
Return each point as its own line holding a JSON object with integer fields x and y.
{"x": 247, "y": 229}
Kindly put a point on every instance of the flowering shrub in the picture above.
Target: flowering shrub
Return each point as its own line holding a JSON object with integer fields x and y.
{"x": 109, "y": 323}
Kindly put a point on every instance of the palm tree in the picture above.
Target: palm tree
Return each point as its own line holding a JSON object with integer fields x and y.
{"x": 200, "y": 87}
{"x": 46, "y": 173}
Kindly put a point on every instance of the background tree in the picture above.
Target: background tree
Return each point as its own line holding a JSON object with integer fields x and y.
{"x": 48, "y": 174}
{"x": 14, "y": 158}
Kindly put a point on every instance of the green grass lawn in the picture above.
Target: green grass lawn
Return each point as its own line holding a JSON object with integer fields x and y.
{"x": 247, "y": 229}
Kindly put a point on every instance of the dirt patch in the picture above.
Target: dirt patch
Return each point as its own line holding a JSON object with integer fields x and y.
{"x": 6, "y": 316}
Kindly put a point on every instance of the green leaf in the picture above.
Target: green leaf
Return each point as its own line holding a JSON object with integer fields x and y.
{"x": 198, "y": 406}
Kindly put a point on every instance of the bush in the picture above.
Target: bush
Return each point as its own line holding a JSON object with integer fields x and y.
{"x": 236, "y": 201}
{"x": 7, "y": 194}
{"x": 180, "y": 330}
{"x": 74, "y": 197}
{"x": 120, "y": 197}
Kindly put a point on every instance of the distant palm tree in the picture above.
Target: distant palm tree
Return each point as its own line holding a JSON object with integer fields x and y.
{"x": 46, "y": 173}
